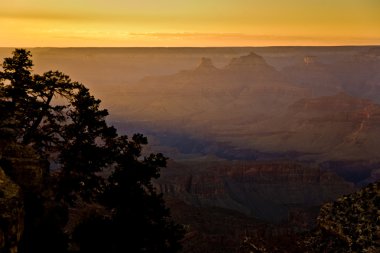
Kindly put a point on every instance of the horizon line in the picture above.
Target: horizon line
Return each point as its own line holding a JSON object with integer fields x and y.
{"x": 68, "y": 47}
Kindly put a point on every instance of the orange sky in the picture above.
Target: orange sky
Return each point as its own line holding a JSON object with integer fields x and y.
{"x": 80, "y": 23}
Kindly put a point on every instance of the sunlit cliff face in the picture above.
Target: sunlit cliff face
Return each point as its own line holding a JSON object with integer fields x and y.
{"x": 37, "y": 23}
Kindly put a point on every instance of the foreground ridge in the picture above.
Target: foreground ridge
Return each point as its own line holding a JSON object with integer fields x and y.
{"x": 350, "y": 224}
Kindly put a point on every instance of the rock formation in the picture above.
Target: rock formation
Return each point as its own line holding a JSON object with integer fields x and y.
{"x": 21, "y": 172}
{"x": 314, "y": 75}
{"x": 248, "y": 62}
{"x": 24, "y": 166}
{"x": 272, "y": 191}
{"x": 11, "y": 214}
{"x": 206, "y": 66}
{"x": 249, "y": 105}
{"x": 358, "y": 75}
{"x": 309, "y": 60}
{"x": 350, "y": 224}
{"x": 206, "y": 230}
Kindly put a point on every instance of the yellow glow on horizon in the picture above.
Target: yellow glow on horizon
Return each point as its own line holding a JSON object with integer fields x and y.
{"x": 38, "y": 23}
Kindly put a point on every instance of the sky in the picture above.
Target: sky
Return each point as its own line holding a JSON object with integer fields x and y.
{"x": 182, "y": 23}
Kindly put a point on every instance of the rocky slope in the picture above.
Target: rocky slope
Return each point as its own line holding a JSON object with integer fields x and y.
{"x": 359, "y": 75}
{"x": 24, "y": 166}
{"x": 11, "y": 214}
{"x": 338, "y": 127}
{"x": 350, "y": 224}
{"x": 272, "y": 191}
{"x": 312, "y": 74}
{"x": 217, "y": 230}
{"x": 245, "y": 86}
{"x": 248, "y": 109}
{"x": 329, "y": 128}
{"x": 21, "y": 173}
{"x": 355, "y": 74}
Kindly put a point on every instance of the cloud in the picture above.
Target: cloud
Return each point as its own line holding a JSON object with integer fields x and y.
{"x": 252, "y": 37}
{"x": 37, "y": 15}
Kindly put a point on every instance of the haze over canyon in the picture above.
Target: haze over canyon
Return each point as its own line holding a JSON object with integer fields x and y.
{"x": 270, "y": 133}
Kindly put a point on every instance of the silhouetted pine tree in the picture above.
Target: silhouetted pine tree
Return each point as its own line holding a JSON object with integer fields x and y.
{"x": 75, "y": 136}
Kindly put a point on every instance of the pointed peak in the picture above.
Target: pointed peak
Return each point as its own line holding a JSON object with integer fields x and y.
{"x": 252, "y": 59}
{"x": 253, "y": 55}
{"x": 206, "y": 62}
{"x": 206, "y": 65}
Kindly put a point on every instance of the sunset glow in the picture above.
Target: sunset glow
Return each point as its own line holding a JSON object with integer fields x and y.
{"x": 71, "y": 23}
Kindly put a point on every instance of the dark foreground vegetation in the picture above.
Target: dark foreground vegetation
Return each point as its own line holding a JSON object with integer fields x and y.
{"x": 69, "y": 182}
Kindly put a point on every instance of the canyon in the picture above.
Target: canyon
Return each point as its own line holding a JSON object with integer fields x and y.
{"x": 262, "y": 137}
